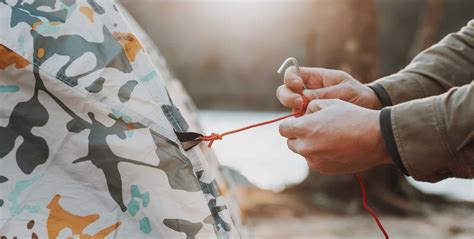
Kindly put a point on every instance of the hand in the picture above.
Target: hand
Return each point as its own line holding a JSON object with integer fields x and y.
{"x": 337, "y": 137}
{"x": 324, "y": 84}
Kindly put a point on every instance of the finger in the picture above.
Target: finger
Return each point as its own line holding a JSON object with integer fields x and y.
{"x": 293, "y": 81}
{"x": 315, "y": 78}
{"x": 331, "y": 92}
{"x": 288, "y": 98}
{"x": 317, "y": 105}
{"x": 294, "y": 145}
{"x": 292, "y": 128}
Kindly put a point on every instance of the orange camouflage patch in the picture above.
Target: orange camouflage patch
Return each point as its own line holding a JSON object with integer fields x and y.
{"x": 88, "y": 12}
{"x": 60, "y": 219}
{"x": 40, "y": 53}
{"x": 130, "y": 44}
{"x": 9, "y": 57}
{"x": 36, "y": 24}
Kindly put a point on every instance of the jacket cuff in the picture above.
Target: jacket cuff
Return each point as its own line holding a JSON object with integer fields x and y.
{"x": 417, "y": 130}
{"x": 389, "y": 139}
{"x": 398, "y": 88}
{"x": 383, "y": 96}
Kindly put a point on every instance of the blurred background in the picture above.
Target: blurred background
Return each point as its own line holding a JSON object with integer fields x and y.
{"x": 226, "y": 52}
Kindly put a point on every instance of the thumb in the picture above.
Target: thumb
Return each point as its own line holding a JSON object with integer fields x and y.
{"x": 317, "y": 105}
{"x": 331, "y": 92}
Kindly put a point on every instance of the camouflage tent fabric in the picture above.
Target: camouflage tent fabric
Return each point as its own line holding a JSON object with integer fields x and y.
{"x": 87, "y": 142}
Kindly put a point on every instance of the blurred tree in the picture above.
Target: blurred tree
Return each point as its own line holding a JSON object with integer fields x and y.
{"x": 428, "y": 31}
{"x": 348, "y": 39}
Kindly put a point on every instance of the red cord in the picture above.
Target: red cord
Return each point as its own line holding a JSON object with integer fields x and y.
{"x": 366, "y": 206}
{"x": 215, "y": 136}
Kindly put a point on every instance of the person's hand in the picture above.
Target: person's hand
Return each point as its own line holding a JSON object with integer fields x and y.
{"x": 324, "y": 84}
{"x": 337, "y": 137}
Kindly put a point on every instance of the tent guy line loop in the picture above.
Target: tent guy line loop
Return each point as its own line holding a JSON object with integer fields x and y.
{"x": 196, "y": 138}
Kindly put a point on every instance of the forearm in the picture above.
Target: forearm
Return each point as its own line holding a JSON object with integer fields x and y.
{"x": 447, "y": 64}
{"x": 433, "y": 138}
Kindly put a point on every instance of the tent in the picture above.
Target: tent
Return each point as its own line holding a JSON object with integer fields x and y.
{"x": 88, "y": 117}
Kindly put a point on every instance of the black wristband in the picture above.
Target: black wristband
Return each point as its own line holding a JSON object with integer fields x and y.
{"x": 389, "y": 138}
{"x": 381, "y": 94}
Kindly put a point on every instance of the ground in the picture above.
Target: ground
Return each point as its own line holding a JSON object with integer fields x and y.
{"x": 278, "y": 216}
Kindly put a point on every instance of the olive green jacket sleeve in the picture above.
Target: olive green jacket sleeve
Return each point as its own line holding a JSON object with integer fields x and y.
{"x": 446, "y": 64}
{"x": 432, "y": 120}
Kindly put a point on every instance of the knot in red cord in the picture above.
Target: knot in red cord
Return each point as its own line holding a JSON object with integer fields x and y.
{"x": 211, "y": 138}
